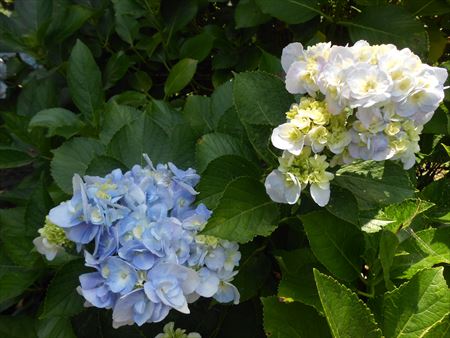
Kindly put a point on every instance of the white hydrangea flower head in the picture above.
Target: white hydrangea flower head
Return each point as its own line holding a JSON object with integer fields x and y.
{"x": 363, "y": 102}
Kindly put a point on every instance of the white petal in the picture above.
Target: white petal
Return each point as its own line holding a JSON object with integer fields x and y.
{"x": 320, "y": 196}
{"x": 290, "y": 54}
{"x": 280, "y": 190}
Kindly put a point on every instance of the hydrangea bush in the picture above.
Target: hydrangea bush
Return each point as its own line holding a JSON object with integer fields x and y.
{"x": 244, "y": 168}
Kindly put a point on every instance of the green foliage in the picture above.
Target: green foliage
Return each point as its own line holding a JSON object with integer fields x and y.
{"x": 199, "y": 83}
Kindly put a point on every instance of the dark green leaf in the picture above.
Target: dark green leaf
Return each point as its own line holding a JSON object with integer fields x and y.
{"x": 388, "y": 246}
{"x": 37, "y": 95}
{"x": 375, "y": 184}
{"x": 17, "y": 237}
{"x": 427, "y": 7}
{"x": 403, "y": 29}
{"x": 37, "y": 208}
{"x": 198, "y": 112}
{"x": 59, "y": 121}
{"x": 17, "y": 327}
{"x": 74, "y": 157}
{"x": 84, "y": 80}
{"x": 292, "y": 320}
{"x": 261, "y": 98}
{"x": 180, "y": 76}
{"x": 417, "y": 305}
{"x": 338, "y": 245}
{"x": 103, "y": 165}
{"x": 55, "y": 327}
{"x": 346, "y": 314}
{"x": 219, "y": 173}
{"x": 178, "y": 14}
{"x": 197, "y": 47}
{"x": 244, "y": 211}
{"x": 421, "y": 250}
{"x": 247, "y": 14}
{"x": 116, "y": 68}
{"x": 66, "y": 21}
{"x": 297, "y": 282}
{"x": 115, "y": 117}
{"x": 13, "y": 158}
{"x": 62, "y": 299}
{"x": 214, "y": 145}
{"x": 290, "y": 11}
{"x": 14, "y": 280}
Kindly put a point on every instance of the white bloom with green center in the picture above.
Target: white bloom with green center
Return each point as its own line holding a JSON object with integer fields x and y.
{"x": 51, "y": 241}
{"x": 290, "y": 137}
{"x": 171, "y": 332}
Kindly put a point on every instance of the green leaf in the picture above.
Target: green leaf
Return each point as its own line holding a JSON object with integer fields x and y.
{"x": 438, "y": 192}
{"x": 343, "y": 205}
{"x": 103, "y": 165}
{"x": 440, "y": 329}
{"x": 214, "y": 145}
{"x": 254, "y": 270}
{"x": 14, "y": 280}
{"x": 219, "y": 173}
{"x": 261, "y": 98}
{"x": 297, "y": 282}
{"x": 66, "y": 21}
{"x": 403, "y": 29}
{"x": 417, "y": 305}
{"x": 247, "y": 14}
{"x": 59, "y": 121}
{"x": 73, "y": 157}
{"x": 62, "y": 299}
{"x": 17, "y": 236}
{"x": 13, "y": 158}
{"x": 346, "y": 314}
{"x": 178, "y": 14}
{"x": 141, "y": 136}
{"x": 270, "y": 63}
{"x": 55, "y": 327}
{"x": 198, "y": 112}
{"x": 290, "y": 11}
{"x": 388, "y": 247}
{"x": 427, "y": 7}
{"x": 37, "y": 208}
{"x": 259, "y": 137}
{"x": 197, "y": 47}
{"x": 221, "y": 101}
{"x": 396, "y": 216}
{"x": 17, "y": 327}
{"x": 180, "y": 76}
{"x": 375, "y": 184}
{"x": 338, "y": 245}
{"x": 84, "y": 80}
{"x": 244, "y": 211}
{"x": 292, "y": 320}
{"x": 37, "y": 95}
{"x": 114, "y": 118}
{"x": 126, "y": 13}
{"x": 116, "y": 68}
{"x": 421, "y": 250}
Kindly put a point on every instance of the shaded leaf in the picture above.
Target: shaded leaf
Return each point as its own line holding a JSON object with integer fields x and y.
{"x": 244, "y": 211}
{"x": 338, "y": 245}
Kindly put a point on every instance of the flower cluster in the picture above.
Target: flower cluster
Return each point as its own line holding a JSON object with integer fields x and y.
{"x": 362, "y": 103}
{"x": 170, "y": 332}
{"x": 139, "y": 231}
